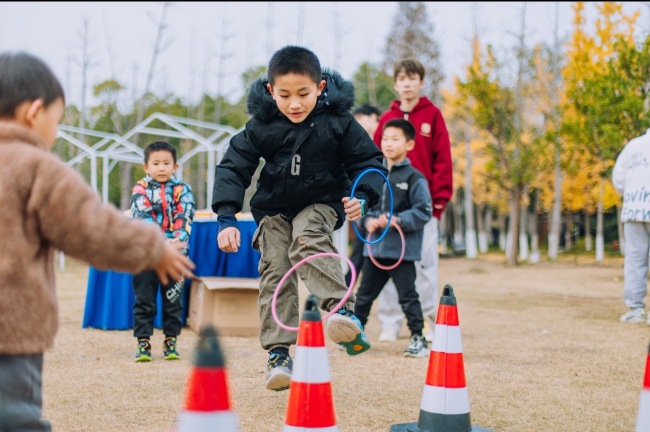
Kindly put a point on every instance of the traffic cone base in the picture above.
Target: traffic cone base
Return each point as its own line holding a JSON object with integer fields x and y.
{"x": 413, "y": 427}
{"x": 207, "y": 421}
{"x": 288, "y": 428}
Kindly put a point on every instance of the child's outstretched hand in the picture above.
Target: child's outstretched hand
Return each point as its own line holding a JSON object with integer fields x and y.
{"x": 173, "y": 265}
{"x": 229, "y": 239}
{"x": 352, "y": 208}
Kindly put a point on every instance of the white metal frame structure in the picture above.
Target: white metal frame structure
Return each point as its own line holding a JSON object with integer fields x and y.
{"x": 113, "y": 148}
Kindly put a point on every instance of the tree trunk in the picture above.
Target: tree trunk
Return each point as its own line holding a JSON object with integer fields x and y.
{"x": 482, "y": 228}
{"x": 513, "y": 226}
{"x": 588, "y": 238}
{"x": 458, "y": 224}
{"x": 600, "y": 243}
{"x": 501, "y": 223}
{"x": 533, "y": 229}
{"x": 568, "y": 240}
{"x": 523, "y": 228}
{"x": 556, "y": 213}
{"x": 470, "y": 231}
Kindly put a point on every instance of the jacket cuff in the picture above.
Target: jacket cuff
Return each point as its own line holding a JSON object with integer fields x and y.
{"x": 362, "y": 195}
{"x": 226, "y": 221}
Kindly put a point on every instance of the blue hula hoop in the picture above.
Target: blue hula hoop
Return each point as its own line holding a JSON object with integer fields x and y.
{"x": 390, "y": 213}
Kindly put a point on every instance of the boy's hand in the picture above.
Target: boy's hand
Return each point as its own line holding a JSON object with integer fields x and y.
{"x": 229, "y": 239}
{"x": 176, "y": 243}
{"x": 352, "y": 208}
{"x": 173, "y": 265}
{"x": 372, "y": 224}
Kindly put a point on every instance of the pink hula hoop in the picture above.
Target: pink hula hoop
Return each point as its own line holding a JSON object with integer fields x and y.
{"x": 298, "y": 264}
{"x": 401, "y": 257}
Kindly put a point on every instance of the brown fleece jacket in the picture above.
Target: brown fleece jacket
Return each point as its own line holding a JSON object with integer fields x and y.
{"x": 47, "y": 206}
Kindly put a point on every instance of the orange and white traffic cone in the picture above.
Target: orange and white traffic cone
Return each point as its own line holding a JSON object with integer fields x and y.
{"x": 445, "y": 400}
{"x": 310, "y": 406}
{"x": 643, "y": 417}
{"x": 207, "y": 401}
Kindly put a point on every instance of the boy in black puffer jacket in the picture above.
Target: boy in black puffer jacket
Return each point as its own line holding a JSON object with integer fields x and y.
{"x": 312, "y": 148}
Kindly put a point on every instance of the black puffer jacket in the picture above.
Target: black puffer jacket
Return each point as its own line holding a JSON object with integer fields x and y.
{"x": 329, "y": 149}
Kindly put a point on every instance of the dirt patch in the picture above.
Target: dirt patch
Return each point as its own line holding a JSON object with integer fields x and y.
{"x": 542, "y": 346}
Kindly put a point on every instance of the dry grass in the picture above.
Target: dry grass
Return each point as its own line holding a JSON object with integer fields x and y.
{"x": 542, "y": 345}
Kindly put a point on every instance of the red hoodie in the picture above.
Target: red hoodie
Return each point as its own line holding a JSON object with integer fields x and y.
{"x": 432, "y": 152}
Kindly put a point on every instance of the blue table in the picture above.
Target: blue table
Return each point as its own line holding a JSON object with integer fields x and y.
{"x": 110, "y": 297}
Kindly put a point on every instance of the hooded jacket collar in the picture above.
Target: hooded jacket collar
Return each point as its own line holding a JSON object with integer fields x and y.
{"x": 337, "y": 97}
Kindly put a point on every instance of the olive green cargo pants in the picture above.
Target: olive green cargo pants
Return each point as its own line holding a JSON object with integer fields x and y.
{"x": 282, "y": 245}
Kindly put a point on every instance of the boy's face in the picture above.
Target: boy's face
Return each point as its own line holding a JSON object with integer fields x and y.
{"x": 296, "y": 95}
{"x": 408, "y": 86}
{"x": 368, "y": 122}
{"x": 160, "y": 166}
{"x": 394, "y": 144}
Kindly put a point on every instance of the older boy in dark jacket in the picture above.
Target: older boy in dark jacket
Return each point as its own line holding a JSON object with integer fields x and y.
{"x": 312, "y": 147}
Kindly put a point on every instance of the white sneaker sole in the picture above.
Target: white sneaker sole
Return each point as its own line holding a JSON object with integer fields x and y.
{"x": 341, "y": 329}
{"x": 421, "y": 354}
{"x": 634, "y": 320}
{"x": 279, "y": 380}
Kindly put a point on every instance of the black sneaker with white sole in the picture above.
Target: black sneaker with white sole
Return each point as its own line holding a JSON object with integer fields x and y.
{"x": 278, "y": 371}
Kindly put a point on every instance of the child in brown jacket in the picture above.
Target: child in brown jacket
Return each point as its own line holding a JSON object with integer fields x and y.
{"x": 48, "y": 206}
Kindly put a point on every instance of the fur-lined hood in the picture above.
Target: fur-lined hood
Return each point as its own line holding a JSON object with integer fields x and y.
{"x": 337, "y": 97}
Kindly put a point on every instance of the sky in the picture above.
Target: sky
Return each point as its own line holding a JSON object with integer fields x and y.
{"x": 207, "y": 45}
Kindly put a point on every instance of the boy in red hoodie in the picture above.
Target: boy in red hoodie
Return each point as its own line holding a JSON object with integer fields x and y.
{"x": 432, "y": 157}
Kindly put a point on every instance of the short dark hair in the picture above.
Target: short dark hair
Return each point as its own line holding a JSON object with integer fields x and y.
{"x": 294, "y": 59}
{"x": 366, "y": 109}
{"x": 410, "y": 66}
{"x": 406, "y": 126}
{"x": 25, "y": 78}
{"x": 159, "y": 146}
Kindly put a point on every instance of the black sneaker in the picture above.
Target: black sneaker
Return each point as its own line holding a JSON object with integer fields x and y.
{"x": 417, "y": 348}
{"x": 169, "y": 349}
{"x": 278, "y": 373}
{"x": 144, "y": 351}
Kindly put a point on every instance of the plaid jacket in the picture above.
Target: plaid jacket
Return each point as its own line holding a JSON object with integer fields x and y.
{"x": 171, "y": 205}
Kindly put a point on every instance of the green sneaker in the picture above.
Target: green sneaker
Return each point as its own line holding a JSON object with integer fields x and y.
{"x": 144, "y": 351}
{"x": 345, "y": 329}
{"x": 169, "y": 349}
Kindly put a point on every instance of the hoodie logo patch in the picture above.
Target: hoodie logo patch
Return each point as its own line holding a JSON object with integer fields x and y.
{"x": 403, "y": 186}
{"x": 425, "y": 129}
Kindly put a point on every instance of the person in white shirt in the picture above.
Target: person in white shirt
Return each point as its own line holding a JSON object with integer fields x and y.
{"x": 631, "y": 178}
